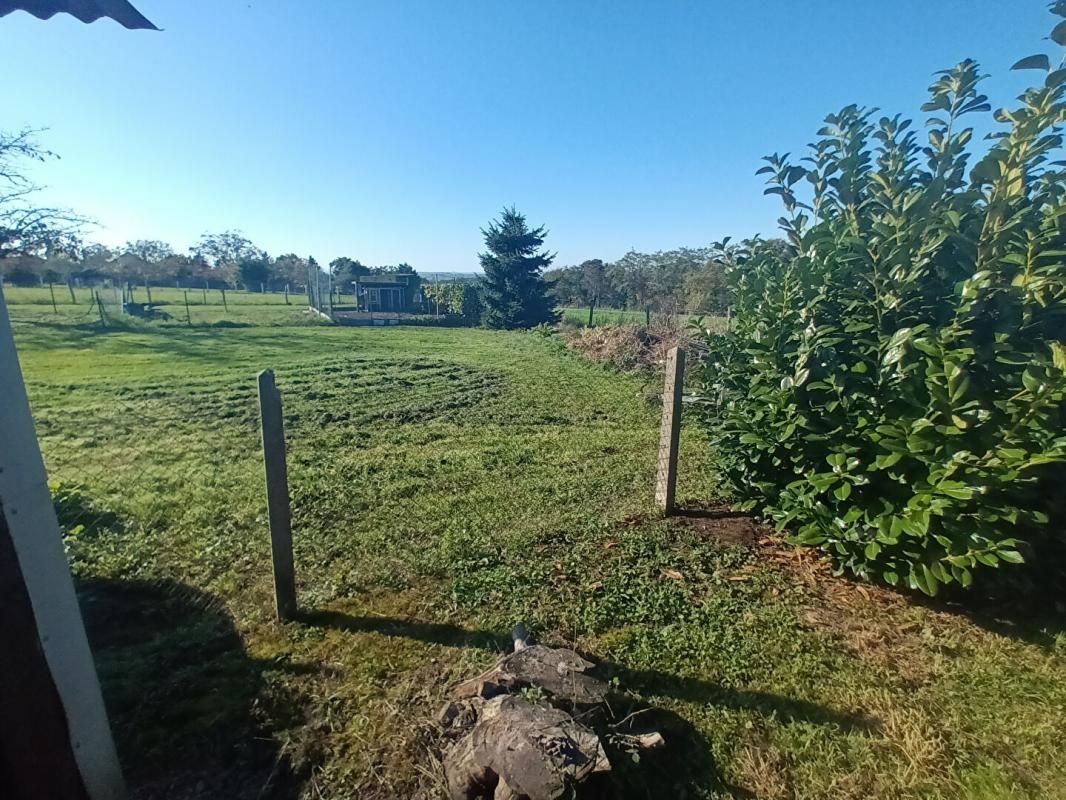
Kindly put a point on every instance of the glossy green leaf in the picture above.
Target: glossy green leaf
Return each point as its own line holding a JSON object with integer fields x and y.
{"x": 1058, "y": 34}
{"x": 1010, "y": 556}
{"x": 1034, "y": 62}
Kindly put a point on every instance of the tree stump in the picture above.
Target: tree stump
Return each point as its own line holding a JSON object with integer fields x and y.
{"x": 514, "y": 736}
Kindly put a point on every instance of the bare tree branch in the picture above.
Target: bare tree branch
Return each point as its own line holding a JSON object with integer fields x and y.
{"x": 24, "y": 228}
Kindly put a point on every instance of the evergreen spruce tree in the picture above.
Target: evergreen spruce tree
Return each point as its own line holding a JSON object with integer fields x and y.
{"x": 514, "y": 292}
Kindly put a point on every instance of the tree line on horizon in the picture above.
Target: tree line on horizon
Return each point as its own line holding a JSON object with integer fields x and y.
{"x": 228, "y": 259}
{"x": 683, "y": 280}
{"x": 518, "y": 288}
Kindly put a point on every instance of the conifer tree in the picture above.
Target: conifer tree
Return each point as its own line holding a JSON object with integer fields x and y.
{"x": 514, "y": 292}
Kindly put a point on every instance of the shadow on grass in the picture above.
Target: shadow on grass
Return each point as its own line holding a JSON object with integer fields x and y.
{"x": 687, "y": 759}
{"x": 180, "y": 692}
{"x": 692, "y": 511}
{"x": 700, "y": 692}
{"x": 431, "y": 632}
{"x": 1024, "y": 604}
{"x": 672, "y": 771}
{"x": 650, "y": 682}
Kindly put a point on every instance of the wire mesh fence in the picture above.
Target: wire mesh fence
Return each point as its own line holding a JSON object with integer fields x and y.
{"x": 320, "y": 291}
{"x": 159, "y": 472}
{"x": 163, "y": 475}
{"x": 686, "y": 462}
{"x": 113, "y": 304}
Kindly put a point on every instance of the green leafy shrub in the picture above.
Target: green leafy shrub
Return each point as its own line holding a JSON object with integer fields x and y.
{"x": 461, "y": 299}
{"x": 893, "y": 389}
{"x": 546, "y": 330}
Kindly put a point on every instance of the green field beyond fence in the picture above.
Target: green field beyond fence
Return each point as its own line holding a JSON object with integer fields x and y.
{"x": 197, "y": 307}
{"x": 213, "y": 307}
{"x": 616, "y": 316}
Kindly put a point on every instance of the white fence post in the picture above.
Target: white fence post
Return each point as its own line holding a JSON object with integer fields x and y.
{"x": 40, "y": 603}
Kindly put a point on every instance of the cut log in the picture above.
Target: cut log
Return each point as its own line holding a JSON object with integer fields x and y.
{"x": 521, "y": 750}
{"x": 506, "y": 747}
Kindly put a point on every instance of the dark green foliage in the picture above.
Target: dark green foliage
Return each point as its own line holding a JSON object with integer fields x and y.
{"x": 345, "y": 270}
{"x": 254, "y": 272}
{"x": 893, "y": 391}
{"x": 514, "y": 292}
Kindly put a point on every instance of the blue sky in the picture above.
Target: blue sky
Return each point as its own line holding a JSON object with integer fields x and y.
{"x": 392, "y": 131}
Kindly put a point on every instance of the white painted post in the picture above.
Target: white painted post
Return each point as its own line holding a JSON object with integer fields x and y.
{"x": 670, "y": 433}
{"x": 277, "y": 492}
{"x": 30, "y": 520}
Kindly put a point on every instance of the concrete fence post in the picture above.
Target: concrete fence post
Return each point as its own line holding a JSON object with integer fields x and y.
{"x": 277, "y": 492}
{"x": 670, "y": 433}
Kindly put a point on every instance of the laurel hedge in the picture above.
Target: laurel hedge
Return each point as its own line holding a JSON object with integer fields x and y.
{"x": 893, "y": 389}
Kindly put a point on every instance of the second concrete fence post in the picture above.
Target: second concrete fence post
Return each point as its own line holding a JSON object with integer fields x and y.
{"x": 277, "y": 492}
{"x": 670, "y": 434}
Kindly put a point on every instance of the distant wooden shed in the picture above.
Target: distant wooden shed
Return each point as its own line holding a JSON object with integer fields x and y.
{"x": 389, "y": 292}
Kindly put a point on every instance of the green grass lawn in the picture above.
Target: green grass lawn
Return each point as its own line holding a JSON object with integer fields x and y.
{"x": 447, "y": 483}
{"x": 607, "y": 316}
